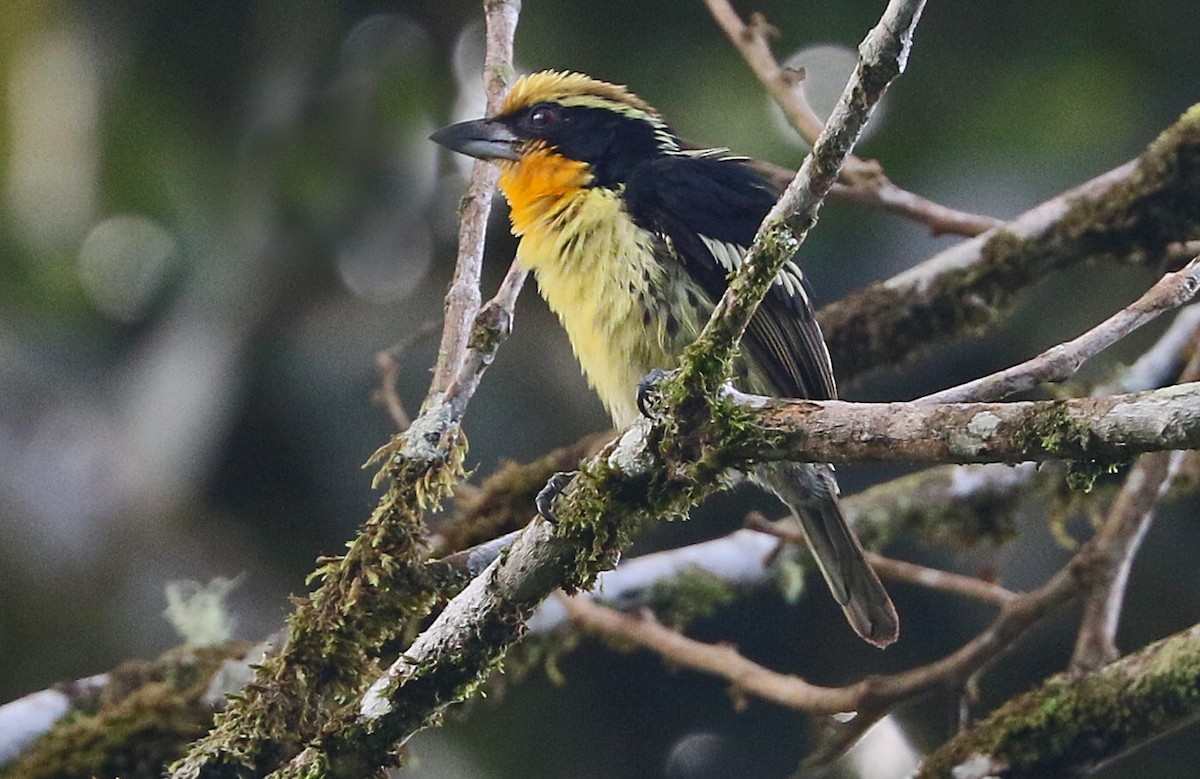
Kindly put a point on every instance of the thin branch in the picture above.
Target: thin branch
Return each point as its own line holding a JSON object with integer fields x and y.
{"x": 1062, "y": 361}
{"x": 463, "y": 297}
{"x": 720, "y": 660}
{"x": 869, "y": 698}
{"x": 883, "y": 56}
{"x": 1162, "y": 362}
{"x": 862, "y": 181}
{"x": 387, "y": 364}
{"x": 753, "y": 42}
{"x": 898, "y": 570}
{"x": 937, "y": 579}
{"x": 1129, "y": 519}
{"x": 877, "y": 190}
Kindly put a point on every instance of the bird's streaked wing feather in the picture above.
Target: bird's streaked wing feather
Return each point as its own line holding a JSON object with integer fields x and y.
{"x": 710, "y": 209}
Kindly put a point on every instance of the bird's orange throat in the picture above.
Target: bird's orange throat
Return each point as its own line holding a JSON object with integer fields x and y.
{"x": 540, "y": 186}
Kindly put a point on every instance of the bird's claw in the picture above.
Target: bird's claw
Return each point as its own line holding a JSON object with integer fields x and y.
{"x": 548, "y": 494}
{"x": 646, "y": 396}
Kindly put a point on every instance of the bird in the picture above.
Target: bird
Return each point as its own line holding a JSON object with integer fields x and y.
{"x": 632, "y": 234}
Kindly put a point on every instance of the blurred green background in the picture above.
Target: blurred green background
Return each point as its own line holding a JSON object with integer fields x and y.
{"x": 213, "y": 215}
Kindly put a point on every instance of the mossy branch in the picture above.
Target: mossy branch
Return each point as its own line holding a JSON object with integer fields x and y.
{"x": 617, "y": 489}
{"x": 883, "y": 56}
{"x": 1109, "y": 429}
{"x": 1071, "y": 725}
{"x": 1136, "y": 212}
{"x": 369, "y": 595}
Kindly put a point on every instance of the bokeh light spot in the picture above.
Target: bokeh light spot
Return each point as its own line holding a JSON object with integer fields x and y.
{"x": 386, "y": 259}
{"x": 53, "y": 112}
{"x": 827, "y": 68}
{"x": 699, "y": 756}
{"x": 123, "y": 263}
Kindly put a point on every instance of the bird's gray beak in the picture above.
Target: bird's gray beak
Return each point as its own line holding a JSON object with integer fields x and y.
{"x": 485, "y": 139}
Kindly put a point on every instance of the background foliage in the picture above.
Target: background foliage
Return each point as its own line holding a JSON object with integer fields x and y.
{"x": 212, "y": 215}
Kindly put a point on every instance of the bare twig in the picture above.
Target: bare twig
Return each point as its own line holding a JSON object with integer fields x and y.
{"x": 877, "y": 190}
{"x": 720, "y": 660}
{"x": 753, "y": 42}
{"x": 1129, "y": 519}
{"x": 937, "y": 579}
{"x": 883, "y": 55}
{"x": 898, "y": 570}
{"x": 870, "y": 698}
{"x": 463, "y": 298}
{"x": 1162, "y": 361}
{"x": 387, "y": 363}
{"x": 862, "y": 181}
{"x": 1060, "y": 362}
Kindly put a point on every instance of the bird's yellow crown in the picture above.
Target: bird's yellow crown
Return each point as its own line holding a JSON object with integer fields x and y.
{"x": 575, "y": 89}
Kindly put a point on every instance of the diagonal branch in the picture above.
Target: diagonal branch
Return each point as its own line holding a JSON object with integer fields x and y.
{"x": 1061, "y": 362}
{"x": 862, "y": 181}
{"x": 1136, "y": 212}
{"x": 616, "y": 490}
{"x": 1129, "y": 519}
{"x": 883, "y": 56}
{"x": 1071, "y": 725}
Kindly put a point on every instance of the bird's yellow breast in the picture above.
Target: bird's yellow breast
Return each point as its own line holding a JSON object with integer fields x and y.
{"x": 596, "y": 270}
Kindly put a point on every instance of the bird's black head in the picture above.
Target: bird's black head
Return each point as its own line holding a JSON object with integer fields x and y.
{"x": 603, "y": 125}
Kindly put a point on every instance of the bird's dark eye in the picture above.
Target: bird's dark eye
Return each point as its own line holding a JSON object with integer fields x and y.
{"x": 542, "y": 116}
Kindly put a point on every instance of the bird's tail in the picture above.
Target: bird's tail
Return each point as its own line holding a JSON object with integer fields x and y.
{"x": 811, "y": 492}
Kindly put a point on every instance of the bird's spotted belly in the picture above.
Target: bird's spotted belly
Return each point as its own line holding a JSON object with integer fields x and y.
{"x": 597, "y": 271}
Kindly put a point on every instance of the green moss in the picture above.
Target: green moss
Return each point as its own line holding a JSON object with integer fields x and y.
{"x": 366, "y": 598}
{"x": 1082, "y": 475}
{"x": 1052, "y": 431}
{"x": 916, "y": 506}
{"x": 505, "y": 500}
{"x": 145, "y": 717}
{"x": 1070, "y": 722}
{"x": 1136, "y": 219}
{"x": 693, "y": 594}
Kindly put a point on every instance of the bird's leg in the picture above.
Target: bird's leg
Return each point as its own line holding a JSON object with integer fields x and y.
{"x": 648, "y": 398}
{"x": 554, "y": 487}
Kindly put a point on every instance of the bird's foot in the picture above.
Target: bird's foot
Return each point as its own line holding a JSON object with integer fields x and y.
{"x": 649, "y": 400}
{"x": 554, "y": 487}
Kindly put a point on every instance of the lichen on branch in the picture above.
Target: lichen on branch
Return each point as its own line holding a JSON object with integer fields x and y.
{"x": 1134, "y": 212}
{"x": 1070, "y": 724}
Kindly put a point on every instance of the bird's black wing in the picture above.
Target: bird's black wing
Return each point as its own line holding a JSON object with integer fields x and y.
{"x": 710, "y": 208}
